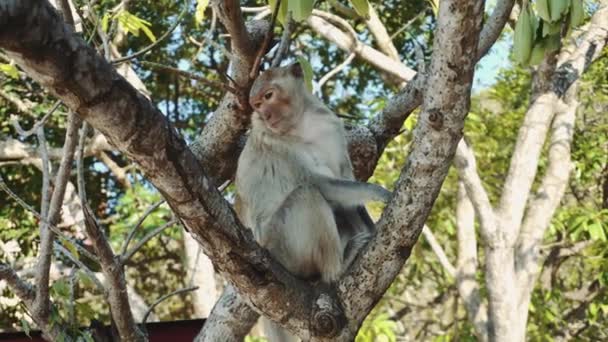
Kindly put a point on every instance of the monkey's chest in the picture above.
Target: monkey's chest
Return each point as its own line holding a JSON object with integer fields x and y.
{"x": 322, "y": 159}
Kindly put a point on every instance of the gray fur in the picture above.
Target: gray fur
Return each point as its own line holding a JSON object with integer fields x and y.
{"x": 295, "y": 182}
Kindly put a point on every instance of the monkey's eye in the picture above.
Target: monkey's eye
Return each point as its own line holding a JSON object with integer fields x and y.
{"x": 268, "y": 95}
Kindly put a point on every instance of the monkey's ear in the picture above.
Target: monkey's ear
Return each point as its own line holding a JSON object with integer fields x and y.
{"x": 296, "y": 70}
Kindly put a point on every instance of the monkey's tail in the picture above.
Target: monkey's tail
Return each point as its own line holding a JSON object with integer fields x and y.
{"x": 347, "y": 193}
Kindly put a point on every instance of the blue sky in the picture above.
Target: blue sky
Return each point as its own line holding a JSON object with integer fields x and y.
{"x": 489, "y": 66}
{"x": 498, "y": 58}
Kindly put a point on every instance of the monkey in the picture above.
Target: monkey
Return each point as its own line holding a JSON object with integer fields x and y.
{"x": 295, "y": 184}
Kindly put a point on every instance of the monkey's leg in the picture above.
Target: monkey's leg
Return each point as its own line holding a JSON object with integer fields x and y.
{"x": 303, "y": 236}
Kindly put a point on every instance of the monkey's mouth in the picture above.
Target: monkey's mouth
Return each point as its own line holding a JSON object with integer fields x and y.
{"x": 274, "y": 123}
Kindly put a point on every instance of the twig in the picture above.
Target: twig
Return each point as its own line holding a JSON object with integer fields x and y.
{"x": 258, "y": 9}
{"x": 66, "y": 11}
{"x": 80, "y": 265}
{"x": 126, "y": 256}
{"x": 46, "y": 177}
{"x": 17, "y": 102}
{"x": 15, "y": 122}
{"x": 207, "y": 37}
{"x": 420, "y": 57}
{"x": 46, "y": 234}
{"x": 258, "y": 58}
{"x": 347, "y": 116}
{"x": 332, "y": 18}
{"x": 114, "y": 274}
{"x": 436, "y": 247}
{"x": 72, "y": 303}
{"x": 161, "y": 299}
{"x": 22, "y": 289}
{"x": 215, "y": 45}
{"x": 283, "y": 48}
{"x": 80, "y": 163}
{"x": 138, "y": 224}
{"x": 224, "y": 186}
{"x": 119, "y": 172}
{"x": 215, "y": 84}
{"x": 160, "y": 39}
{"x": 336, "y": 70}
{"x": 408, "y": 24}
{"x": 54, "y": 228}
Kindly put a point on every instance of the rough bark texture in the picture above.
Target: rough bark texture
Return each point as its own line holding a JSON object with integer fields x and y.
{"x": 35, "y": 37}
{"x": 349, "y": 44}
{"x": 230, "y": 307}
{"x": 387, "y": 124}
{"x": 49, "y": 51}
{"x": 218, "y": 144}
{"x": 445, "y": 105}
{"x": 468, "y": 287}
{"x": 512, "y": 246}
{"x": 200, "y": 270}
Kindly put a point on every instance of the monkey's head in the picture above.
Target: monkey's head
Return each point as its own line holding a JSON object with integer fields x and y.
{"x": 277, "y": 97}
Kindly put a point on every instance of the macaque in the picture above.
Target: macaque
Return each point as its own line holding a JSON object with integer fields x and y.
{"x": 295, "y": 184}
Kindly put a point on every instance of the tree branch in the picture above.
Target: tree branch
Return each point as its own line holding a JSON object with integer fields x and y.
{"x": 546, "y": 200}
{"x": 466, "y": 278}
{"x": 467, "y": 169}
{"x": 378, "y": 30}
{"x": 388, "y": 123}
{"x": 41, "y": 303}
{"x": 218, "y": 145}
{"x": 438, "y": 250}
{"x": 350, "y": 44}
{"x": 135, "y": 127}
{"x": 573, "y": 61}
{"x": 231, "y": 318}
{"x": 435, "y": 139}
{"x": 127, "y": 255}
{"x": 112, "y": 269}
{"x": 22, "y": 289}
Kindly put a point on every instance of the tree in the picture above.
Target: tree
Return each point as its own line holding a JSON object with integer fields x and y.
{"x": 44, "y": 45}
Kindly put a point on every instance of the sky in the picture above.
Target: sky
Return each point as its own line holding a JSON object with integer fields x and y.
{"x": 489, "y": 66}
{"x": 498, "y": 58}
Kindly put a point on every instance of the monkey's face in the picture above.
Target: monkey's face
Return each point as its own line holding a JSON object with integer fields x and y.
{"x": 276, "y": 96}
{"x": 273, "y": 106}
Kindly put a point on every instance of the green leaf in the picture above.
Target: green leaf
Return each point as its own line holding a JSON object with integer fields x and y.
{"x": 596, "y": 232}
{"x": 26, "y": 327}
{"x": 9, "y": 70}
{"x": 557, "y": 8}
{"x": 551, "y": 28}
{"x": 282, "y": 15}
{"x": 410, "y": 122}
{"x": 538, "y": 53}
{"x": 133, "y": 24}
{"x": 542, "y": 7}
{"x": 524, "y": 36}
{"x": 577, "y": 13}
{"x": 300, "y": 10}
{"x": 85, "y": 279}
{"x": 105, "y": 22}
{"x": 87, "y": 336}
{"x": 61, "y": 288}
{"x": 307, "y": 69}
{"x": 542, "y": 47}
{"x": 201, "y": 6}
{"x": 434, "y": 6}
{"x": 361, "y": 7}
{"x": 70, "y": 247}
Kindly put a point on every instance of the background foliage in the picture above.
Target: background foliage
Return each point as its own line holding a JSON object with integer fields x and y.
{"x": 422, "y": 304}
